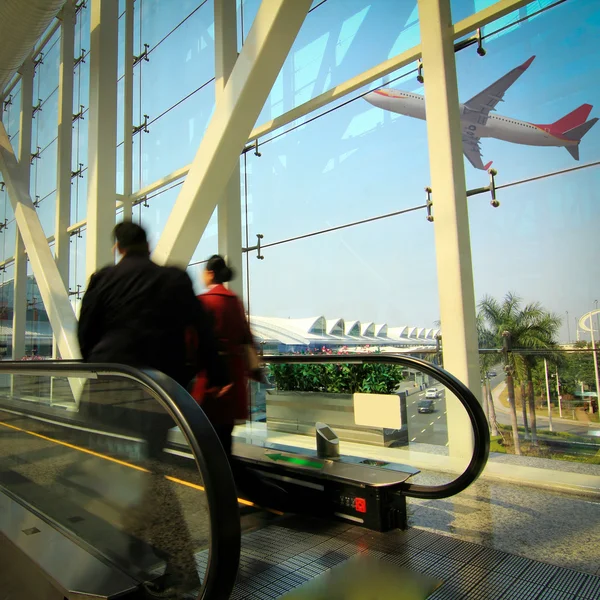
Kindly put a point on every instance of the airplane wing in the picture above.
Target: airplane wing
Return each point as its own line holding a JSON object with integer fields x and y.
{"x": 472, "y": 146}
{"x": 478, "y": 108}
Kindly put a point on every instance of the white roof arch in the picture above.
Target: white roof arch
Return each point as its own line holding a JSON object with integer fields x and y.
{"x": 353, "y": 328}
{"x": 381, "y": 330}
{"x": 411, "y": 332}
{"x": 367, "y": 329}
{"x": 336, "y": 327}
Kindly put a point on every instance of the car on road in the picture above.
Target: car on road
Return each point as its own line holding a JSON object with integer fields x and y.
{"x": 426, "y": 406}
{"x": 432, "y": 393}
{"x": 492, "y": 374}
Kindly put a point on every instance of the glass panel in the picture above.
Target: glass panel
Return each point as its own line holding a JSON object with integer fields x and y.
{"x": 9, "y": 237}
{"x": 79, "y": 192}
{"x": 6, "y": 311}
{"x": 46, "y": 77}
{"x": 38, "y": 333}
{"x": 81, "y": 89}
{"x": 385, "y": 415}
{"x": 183, "y": 62}
{"x": 82, "y": 30}
{"x": 46, "y": 211}
{"x": 12, "y": 111}
{"x": 461, "y": 9}
{"x": 367, "y": 279}
{"x": 560, "y": 391}
{"x": 107, "y": 477}
{"x": 47, "y": 121}
{"x": 338, "y": 40}
{"x": 159, "y": 18}
{"x": 173, "y": 140}
{"x": 353, "y": 156}
{"x": 80, "y": 143}
{"x": 120, "y": 169}
{"x": 547, "y": 47}
{"x": 77, "y": 273}
{"x": 45, "y": 171}
{"x": 6, "y": 215}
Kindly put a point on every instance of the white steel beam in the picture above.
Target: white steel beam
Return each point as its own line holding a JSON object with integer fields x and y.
{"x": 128, "y": 112}
{"x": 230, "y": 206}
{"x": 451, "y": 225}
{"x": 54, "y": 295}
{"x": 64, "y": 143}
{"x": 102, "y": 138}
{"x": 268, "y": 43}
{"x": 24, "y": 168}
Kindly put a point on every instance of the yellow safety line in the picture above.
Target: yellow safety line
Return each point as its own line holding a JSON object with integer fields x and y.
{"x": 121, "y": 462}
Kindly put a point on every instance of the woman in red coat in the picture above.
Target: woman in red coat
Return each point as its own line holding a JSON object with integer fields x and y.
{"x": 235, "y": 338}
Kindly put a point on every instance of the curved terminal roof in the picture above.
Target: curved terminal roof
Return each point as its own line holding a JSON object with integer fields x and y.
{"x": 319, "y": 331}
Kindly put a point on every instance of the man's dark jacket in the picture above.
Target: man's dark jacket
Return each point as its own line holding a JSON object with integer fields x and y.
{"x": 140, "y": 314}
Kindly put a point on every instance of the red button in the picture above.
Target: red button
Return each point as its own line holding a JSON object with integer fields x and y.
{"x": 360, "y": 505}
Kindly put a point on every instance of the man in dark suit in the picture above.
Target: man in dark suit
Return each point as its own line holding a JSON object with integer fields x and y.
{"x": 140, "y": 314}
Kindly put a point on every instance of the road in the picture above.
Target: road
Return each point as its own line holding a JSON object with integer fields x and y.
{"x": 432, "y": 428}
{"x": 503, "y": 413}
{"x": 427, "y": 428}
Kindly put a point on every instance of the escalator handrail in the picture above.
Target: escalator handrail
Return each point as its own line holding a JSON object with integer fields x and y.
{"x": 211, "y": 460}
{"x": 481, "y": 444}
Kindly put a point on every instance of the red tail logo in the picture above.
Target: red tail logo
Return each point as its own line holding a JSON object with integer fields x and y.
{"x": 568, "y": 122}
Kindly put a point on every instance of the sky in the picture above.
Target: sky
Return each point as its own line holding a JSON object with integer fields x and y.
{"x": 358, "y": 161}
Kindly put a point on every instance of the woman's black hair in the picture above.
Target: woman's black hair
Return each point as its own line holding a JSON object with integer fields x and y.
{"x": 222, "y": 273}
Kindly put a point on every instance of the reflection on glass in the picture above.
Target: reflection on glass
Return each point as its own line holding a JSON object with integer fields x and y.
{"x": 46, "y": 121}
{"x": 6, "y": 311}
{"x": 77, "y": 273}
{"x": 105, "y": 476}
{"x": 355, "y": 170}
{"x": 79, "y": 192}
{"x": 384, "y": 415}
{"x": 46, "y": 212}
{"x": 182, "y": 129}
{"x": 45, "y": 171}
{"x": 337, "y": 41}
{"x": 183, "y": 62}
{"x": 46, "y": 73}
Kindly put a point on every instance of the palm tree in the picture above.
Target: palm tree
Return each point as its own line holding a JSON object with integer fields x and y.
{"x": 486, "y": 362}
{"x": 528, "y": 327}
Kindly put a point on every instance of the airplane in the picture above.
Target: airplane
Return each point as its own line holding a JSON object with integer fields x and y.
{"x": 477, "y": 122}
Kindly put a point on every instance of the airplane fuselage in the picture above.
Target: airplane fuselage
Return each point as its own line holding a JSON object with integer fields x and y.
{"x": 497, "y": 126}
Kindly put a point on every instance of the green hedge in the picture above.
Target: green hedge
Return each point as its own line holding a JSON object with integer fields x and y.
{"x": 373, "y": 378}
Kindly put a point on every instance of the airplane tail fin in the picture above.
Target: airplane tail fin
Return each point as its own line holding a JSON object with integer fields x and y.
{"x": 568, "y": 122}
{"x": 572, "y": 120}
{"x": 576, "y": 134}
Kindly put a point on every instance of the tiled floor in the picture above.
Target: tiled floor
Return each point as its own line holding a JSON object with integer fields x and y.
{"x": 285, "y": 555}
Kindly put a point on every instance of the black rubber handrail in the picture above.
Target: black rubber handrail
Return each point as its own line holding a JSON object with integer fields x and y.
{"x": 481, "y": 446}
{"x": 212, "y": 462}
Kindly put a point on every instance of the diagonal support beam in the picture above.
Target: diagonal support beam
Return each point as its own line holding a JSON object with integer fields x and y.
{"x": 48, "y": 277}
{"x": 268, "y": 43}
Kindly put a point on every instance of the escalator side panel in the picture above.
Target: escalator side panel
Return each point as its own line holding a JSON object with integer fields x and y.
{"x": 74, "y": 572}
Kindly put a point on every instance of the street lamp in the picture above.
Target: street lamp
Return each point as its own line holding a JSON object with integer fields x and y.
{"x": 568, "y": 327}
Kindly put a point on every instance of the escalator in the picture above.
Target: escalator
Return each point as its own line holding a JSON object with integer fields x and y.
{"x": 91, "y": 506}
{"x": 114, "y": 484}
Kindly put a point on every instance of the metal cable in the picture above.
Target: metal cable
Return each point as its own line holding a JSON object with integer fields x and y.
{"x": 546, "y": 175}
{"x": 174, "y": 29}
{"x": 162, "y": 114}
{"x": 334, "y": 108}
{"x": 521, "y": 20}
{"x": 317, "y": 6}
{"x": 345, "y": 226}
